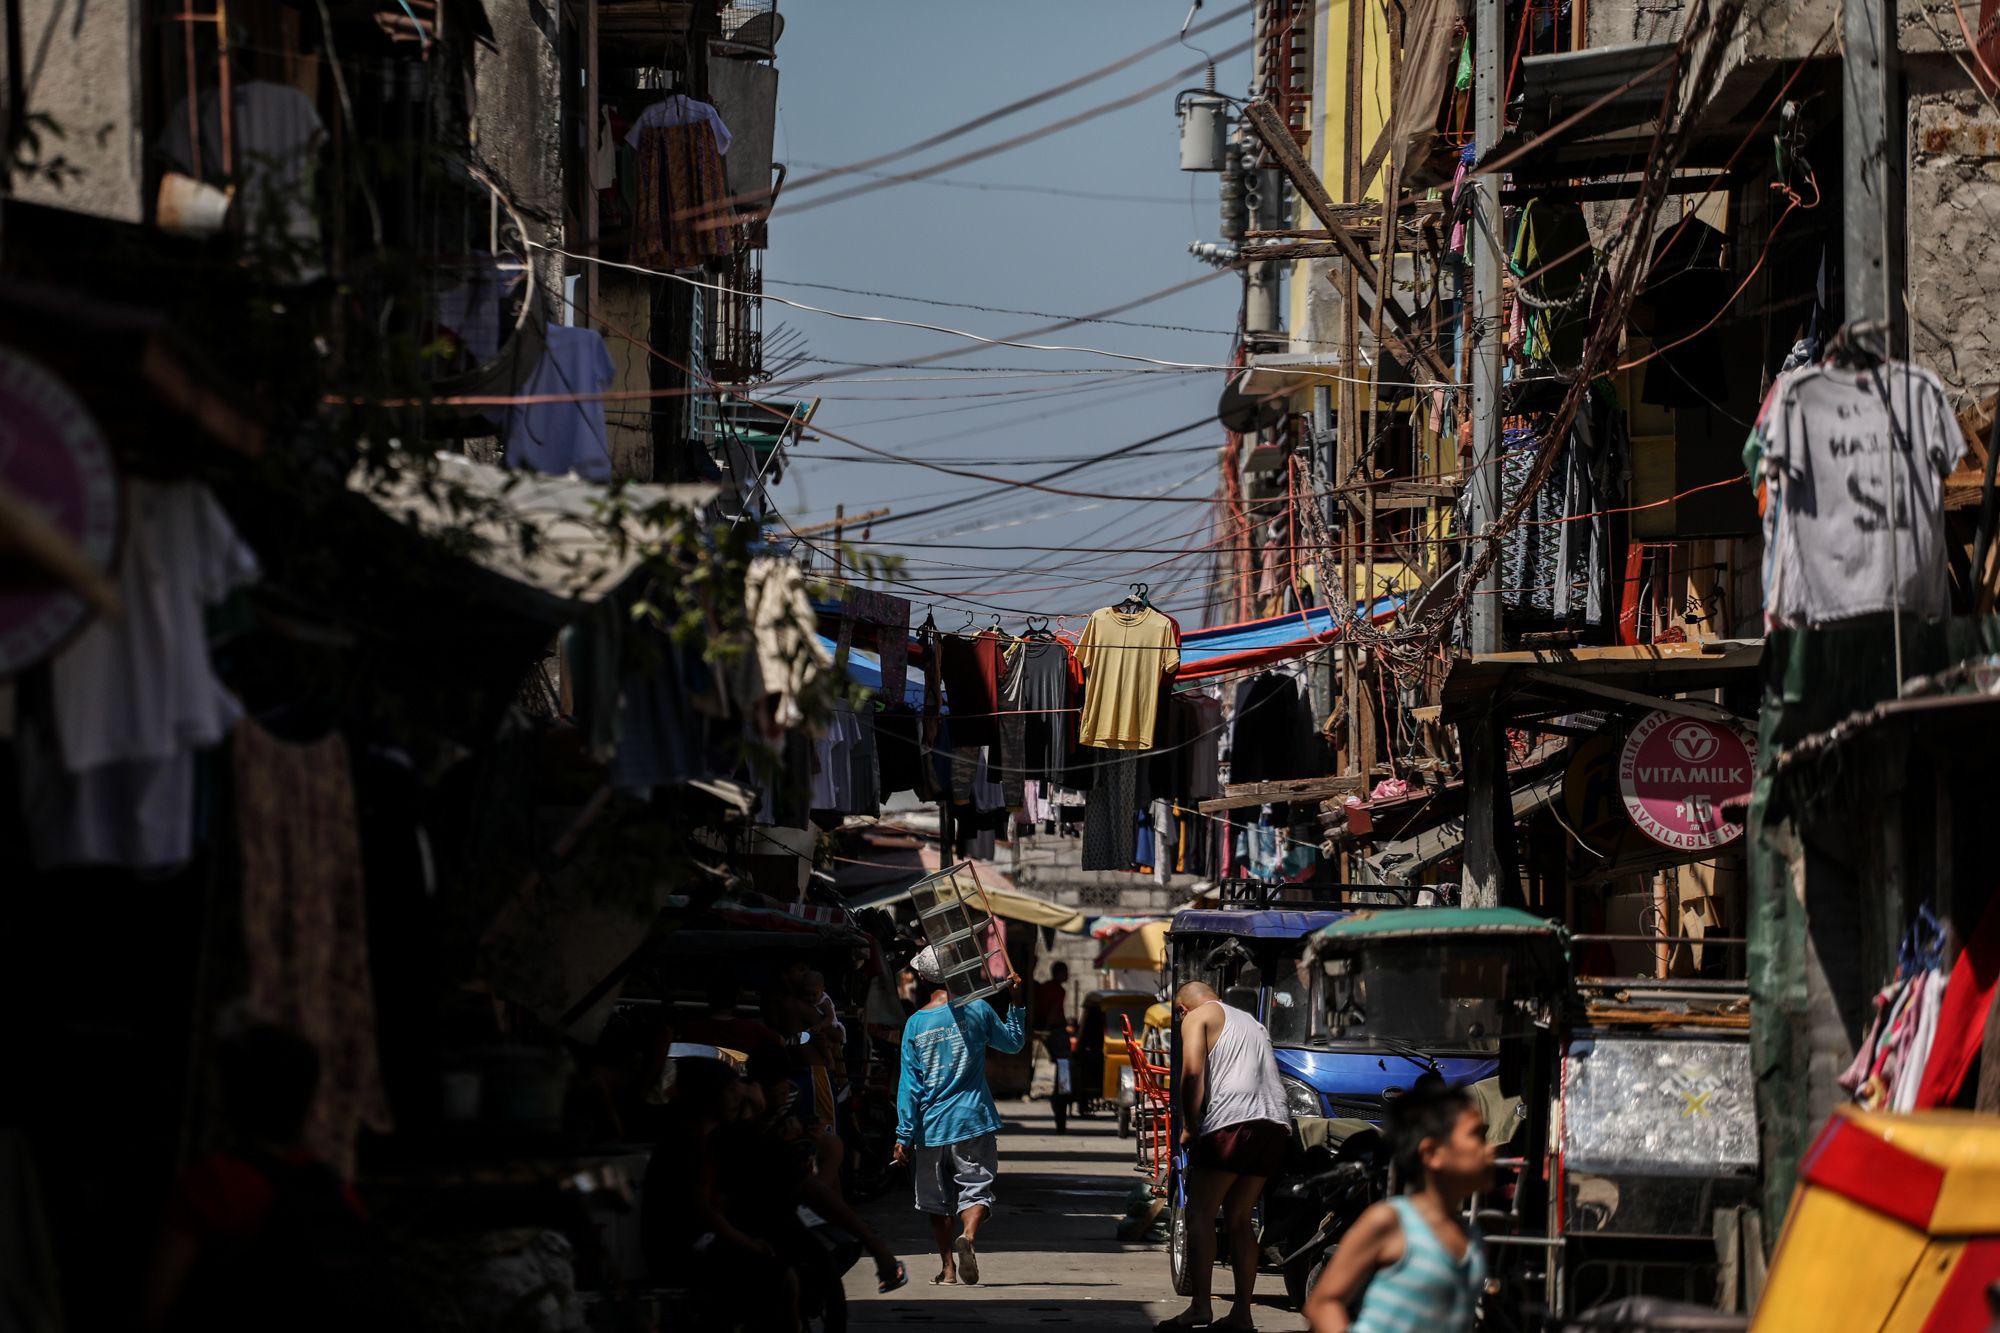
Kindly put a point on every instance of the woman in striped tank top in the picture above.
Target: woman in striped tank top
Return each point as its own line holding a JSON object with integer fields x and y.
{"x": 1422, "y": 1266}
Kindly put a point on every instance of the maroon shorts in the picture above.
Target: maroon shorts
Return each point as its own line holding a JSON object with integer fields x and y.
{"x": 1252, "y": 1148}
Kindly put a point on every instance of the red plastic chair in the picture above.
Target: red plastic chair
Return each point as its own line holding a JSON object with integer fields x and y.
{"x": 1150, "y": 1082}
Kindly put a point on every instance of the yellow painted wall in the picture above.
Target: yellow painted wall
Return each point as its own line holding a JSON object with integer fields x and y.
{"x": 1328, "y": 150}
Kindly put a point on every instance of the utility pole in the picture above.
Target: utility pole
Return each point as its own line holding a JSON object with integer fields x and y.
{"x": 1482, "y": 483}
{"x": 1489, "y": 822}
{"x": 1871, "y": 175}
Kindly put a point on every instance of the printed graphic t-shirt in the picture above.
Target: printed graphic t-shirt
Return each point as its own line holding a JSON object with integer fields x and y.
{"x": 1856, "y": 460}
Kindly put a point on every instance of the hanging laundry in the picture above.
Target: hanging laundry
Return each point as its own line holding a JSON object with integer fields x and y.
{"x": 1686, "y": 284}
{"x": 678, "y": 111}
{"x": 1963, "y": 1015}
{"x": 604, "y": 151}
{"x": 135, "y": 696}
{"x": 790, "y": 656}
{"x": 1553, "y": 261}
{"x": 888, "y": 619}
{"x": 682, "y": 214}
{"x": 1110, "y": 833}
{"x": 567, "y": 435}
{"x": 1855, "y": 460}
{"x": 1271, "y": 731}
{"x": 275, "y": 138}
{"x": 971, "y": 670}
{"x": 1125, "y": 654}
{"x": 305, "y": 926}
{"x": 1035, "y": 697}
{"x": 1530, "y": 551}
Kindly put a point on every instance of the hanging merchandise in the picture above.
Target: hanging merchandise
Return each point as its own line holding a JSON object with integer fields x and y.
{"x": 1529, "y": 550}
{"x": 1854, "y": 457}
{"x": 682, "y": 213}
{"x": 565, "y": 435}
{"x": 1127, "y": 651}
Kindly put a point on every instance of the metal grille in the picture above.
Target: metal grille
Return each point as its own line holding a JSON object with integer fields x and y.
{"x": 736, "y": 332}
{"x": 1285, "y": 60}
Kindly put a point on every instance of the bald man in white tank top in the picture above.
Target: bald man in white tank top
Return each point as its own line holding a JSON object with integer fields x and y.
{"x": 1235, "y": 1128}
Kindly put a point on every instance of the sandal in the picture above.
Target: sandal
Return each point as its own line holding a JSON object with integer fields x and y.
{"x": 1179, "y": 1324}
{"x": 942, "y": 1281}
{"x": 889, "y": 1279}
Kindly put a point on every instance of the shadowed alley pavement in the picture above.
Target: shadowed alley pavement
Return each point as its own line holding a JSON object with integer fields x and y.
{"x": 1050, "y": 1255}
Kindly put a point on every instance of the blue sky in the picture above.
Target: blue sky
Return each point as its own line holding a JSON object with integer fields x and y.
{"x": 863, "y": 77}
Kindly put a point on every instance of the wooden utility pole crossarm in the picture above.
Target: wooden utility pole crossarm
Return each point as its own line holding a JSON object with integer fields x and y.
{"x": 1285, "y": 152}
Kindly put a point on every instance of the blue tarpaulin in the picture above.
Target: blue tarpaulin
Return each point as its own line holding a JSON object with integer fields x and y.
{"x": 865, "y": 669}
{"x": 1208, "y": 652}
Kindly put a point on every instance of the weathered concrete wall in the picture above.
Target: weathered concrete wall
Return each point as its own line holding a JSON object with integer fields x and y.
{"x": 1953, "y": 248}
{"x": 1618, "y": 22}
{"x": 624, "y": 300}
{"x": 80, "y": 66}
{"x": 517, "y": 115}
{"x": 1048, "y": 867}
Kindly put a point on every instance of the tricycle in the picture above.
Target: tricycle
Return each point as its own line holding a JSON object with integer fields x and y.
{"x": 1620, "y": 1108}
{"x": 1337, "y": 1072}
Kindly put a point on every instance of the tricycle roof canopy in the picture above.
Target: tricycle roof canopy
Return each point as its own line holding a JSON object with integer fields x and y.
{"x": 1270, "y": 924}
{"x": 1548, "y": 942}
{"x": 1417, "y": 922}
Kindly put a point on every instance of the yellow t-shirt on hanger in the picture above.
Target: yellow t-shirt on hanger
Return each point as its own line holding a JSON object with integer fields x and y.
{"x": 1124, "y": 656}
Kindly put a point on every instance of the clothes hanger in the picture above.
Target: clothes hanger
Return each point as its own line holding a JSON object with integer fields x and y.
{"x": 1135, "y": 600}
{"x": 969, "y": 618}
{"x": 1860, "y": 345}
{"x": 930, "y": 619}
{"x": 1035, "y": 631}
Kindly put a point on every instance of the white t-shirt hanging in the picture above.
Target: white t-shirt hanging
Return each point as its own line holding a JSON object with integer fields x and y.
{"x": 140, "y": 686}
{"x": 680, "y": 109}
{"x": 1857, "y": 459}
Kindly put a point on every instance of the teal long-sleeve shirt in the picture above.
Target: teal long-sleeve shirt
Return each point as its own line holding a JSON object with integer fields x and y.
{"x": 943, "y": 1097}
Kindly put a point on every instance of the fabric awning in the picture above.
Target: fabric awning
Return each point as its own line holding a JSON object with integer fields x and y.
{"x": 865, "y": 669}
{"x": 1431, "y": 43}
{"x": 1144, "y": 948}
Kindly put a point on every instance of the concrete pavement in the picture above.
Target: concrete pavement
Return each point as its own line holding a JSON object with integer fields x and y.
{"x": 1050, "y": 1254}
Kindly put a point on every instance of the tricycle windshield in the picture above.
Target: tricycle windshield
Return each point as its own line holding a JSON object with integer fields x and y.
{"x": 1439, "y": 997}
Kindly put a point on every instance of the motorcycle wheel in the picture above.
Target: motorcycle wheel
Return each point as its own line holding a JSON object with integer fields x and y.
{"x": 1302, "y": 1275}
{"x": 1177, "y": 1256}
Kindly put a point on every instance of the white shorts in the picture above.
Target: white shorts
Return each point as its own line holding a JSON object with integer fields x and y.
{"x": 957, "y": 1176}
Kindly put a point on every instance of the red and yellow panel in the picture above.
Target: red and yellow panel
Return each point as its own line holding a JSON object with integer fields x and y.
{"x": 1895, "y": 1227}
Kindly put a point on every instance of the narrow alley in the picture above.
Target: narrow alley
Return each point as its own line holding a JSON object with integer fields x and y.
{"x": 1050, "y": 1257}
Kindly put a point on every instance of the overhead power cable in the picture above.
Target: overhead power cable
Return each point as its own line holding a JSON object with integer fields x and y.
{"x": 1180, "y": 76}
{"x": 1008, "y": 187}
{"x": 1018, "y": 105}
